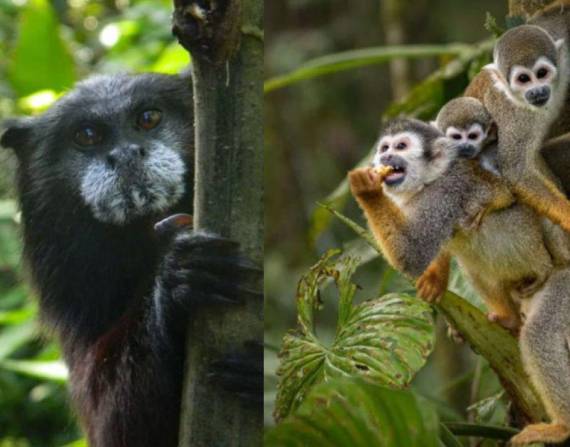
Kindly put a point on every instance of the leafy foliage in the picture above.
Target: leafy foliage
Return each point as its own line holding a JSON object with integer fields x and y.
{"x": 353, "y": 412}
{"x": 386, "y": 340}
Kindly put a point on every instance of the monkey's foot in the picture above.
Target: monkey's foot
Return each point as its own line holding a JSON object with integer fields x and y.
{"x": 473, "y": 222}
{"x": 431, "y": 286}
{"x": 241, "y": 374}
{"x": 365, "y": 181}
{"x": 509, "y": 322}
{"x": 547, "y": 433}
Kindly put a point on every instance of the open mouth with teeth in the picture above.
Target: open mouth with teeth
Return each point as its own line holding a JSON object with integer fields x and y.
{"x": 396, "y": 176}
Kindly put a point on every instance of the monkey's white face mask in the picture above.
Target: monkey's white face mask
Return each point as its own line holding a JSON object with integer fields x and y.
{"x": 137, "y": 184}
{"x": 415, "y": 164}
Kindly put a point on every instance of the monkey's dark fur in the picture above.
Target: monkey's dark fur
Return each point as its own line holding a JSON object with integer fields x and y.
{"x": 117, "y": 296}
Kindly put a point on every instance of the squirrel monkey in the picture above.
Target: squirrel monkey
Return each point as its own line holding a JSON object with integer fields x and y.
{"x": 415, "y": 206}
{"x": 528, "y": 79}
{"x": 503, "y": 264}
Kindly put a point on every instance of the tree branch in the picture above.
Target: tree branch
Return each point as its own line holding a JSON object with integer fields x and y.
{"x": 227, "y": 80}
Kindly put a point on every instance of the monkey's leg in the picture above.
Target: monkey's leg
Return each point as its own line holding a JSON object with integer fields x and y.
{"x": 501, "y": 309}
{"x": 433, "y": 282}
{"x": 546, "y": 356}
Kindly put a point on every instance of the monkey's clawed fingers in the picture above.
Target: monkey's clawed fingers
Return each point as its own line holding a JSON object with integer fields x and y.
{"x": 203, "y": 269}
{"x": 429, "y": 287}
{"x": 241, "y": 373}
{"x": 364, "y": 180}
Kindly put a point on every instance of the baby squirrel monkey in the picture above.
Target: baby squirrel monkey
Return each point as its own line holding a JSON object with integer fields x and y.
{"x": 503, "y": 264}
{"x": 420, "y": 169}
{"x": 529, "y": 79}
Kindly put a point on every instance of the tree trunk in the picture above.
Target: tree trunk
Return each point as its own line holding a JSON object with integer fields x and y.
{"x": 225, "y": 39}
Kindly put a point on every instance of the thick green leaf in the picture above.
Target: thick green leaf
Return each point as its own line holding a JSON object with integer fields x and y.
{"x": 348, "y": 60}
{"x": 386, "y": 339}
{"x": 356, "y": 413}
{"x": 41, "y": 60}
{"x": 55, "y": 371}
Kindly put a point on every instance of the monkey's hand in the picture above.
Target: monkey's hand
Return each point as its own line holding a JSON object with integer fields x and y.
{"x": 203, "y": 269}
{"x": 433, "y": 283}
{"x": 366, "y": 182}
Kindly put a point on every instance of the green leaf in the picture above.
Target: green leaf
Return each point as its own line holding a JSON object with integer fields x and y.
{"x": 348, "y": 60}
{"x": 355, "y": 413}
{"x": 359, "y": 230}
{"x": 172, "y": 60}
{"x": 12, "y": 337}
{"x": 386, "y": 339}
{"x": 41, "y": 60}
{"x": 55, "y": 371}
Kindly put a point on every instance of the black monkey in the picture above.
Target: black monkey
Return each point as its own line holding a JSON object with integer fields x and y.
{"x": 96, "y": 172}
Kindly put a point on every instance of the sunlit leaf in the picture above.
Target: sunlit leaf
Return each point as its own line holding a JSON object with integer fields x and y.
{"x": 55, "y": 371}
{"x": 13, "y": 337}
{"x": 386, "y": 339}
{"x": 172, "y": 60}
{"x": 355, "y": 413}
{"x": 41, "y": 59}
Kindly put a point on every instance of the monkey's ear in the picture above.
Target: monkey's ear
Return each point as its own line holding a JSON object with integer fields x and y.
{"x": 16, "y": 133}
{"x": 559, "y": 44}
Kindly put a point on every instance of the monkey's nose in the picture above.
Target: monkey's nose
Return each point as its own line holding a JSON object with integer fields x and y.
{"x": 538, "y": 96}
{"x": 125, "y": 155}
{"x": 386, "y": 159}
{"x": 466, "y": 150}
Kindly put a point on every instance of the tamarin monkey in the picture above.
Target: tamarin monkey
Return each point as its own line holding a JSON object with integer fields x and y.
{"x": 529, "y": 73}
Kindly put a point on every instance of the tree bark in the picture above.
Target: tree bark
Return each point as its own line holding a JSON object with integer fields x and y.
{"x": 225, "y": 39}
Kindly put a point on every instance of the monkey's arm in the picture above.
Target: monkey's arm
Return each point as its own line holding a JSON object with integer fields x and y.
{"x": 385, "y": 219}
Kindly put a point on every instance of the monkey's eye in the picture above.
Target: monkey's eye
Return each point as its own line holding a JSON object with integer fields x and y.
{"x": 87, "y": 136}
{"x": 542, "y": 73}
{"x": 523, "y": 78}
{"x": 384, "y": 148}
{"x": 473, "y": 136}
{"x": 401, "y": 146}
{"x": 149, "y": 119}
{"x": 456, "y": 136}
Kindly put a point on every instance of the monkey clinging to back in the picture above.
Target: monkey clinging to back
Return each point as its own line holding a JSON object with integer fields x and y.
{"x": 96, "y": 172}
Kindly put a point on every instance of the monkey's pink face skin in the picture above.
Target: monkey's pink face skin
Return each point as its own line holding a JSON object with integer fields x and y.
{"x": 534, "y": 85}
{"x": 467, "y": 141}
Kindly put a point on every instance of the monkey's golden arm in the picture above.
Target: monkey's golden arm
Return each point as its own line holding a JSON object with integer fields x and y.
{"x": 433, "y": 283}
{"x": 520, "y": 161}
{"x": 385, "y": 219}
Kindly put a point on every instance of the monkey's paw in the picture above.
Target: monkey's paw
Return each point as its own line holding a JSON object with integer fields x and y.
{"x": 509, "y": 322}
{"x": 365, "y": 181}
{"x": 431, "y": 286}
{"x": 546, "y": 433}
{"x": 241, "y": 374}
{"x": 205, "y": 269}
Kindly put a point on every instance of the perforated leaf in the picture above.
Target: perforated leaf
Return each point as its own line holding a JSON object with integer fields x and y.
{"x": 386, "y": 339}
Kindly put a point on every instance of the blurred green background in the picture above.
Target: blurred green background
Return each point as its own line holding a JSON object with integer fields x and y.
{"x": 45, "y": 46}
{"x": 317, "y": 129}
